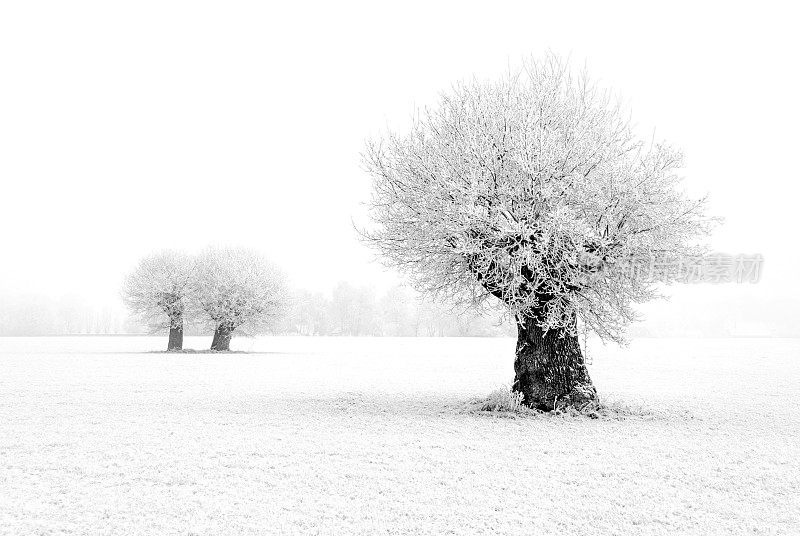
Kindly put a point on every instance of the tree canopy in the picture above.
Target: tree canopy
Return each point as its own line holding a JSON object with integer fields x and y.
{"x": 158, "y": 290}
{"x": 535, "y": 190}
{"x": 238, "y": 287}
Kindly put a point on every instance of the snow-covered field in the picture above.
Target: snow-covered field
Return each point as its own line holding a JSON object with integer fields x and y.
{"x": 367, "y": 436}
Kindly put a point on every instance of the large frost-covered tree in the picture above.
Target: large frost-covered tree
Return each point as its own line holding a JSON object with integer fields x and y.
{"x": 158, "y": 292}
{"x": 238, "y": 287}
{"x": 532, "y": 190}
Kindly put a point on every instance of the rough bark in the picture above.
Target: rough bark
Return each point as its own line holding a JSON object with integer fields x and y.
{"x": 222, "y": 339}
{"x": 550, "y": 369}
{"x": 175, "y": 337}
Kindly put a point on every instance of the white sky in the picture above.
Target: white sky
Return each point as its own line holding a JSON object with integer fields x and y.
{"x": 128, "y": 127}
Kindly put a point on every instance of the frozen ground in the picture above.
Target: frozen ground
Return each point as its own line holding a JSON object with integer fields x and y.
{"x": 364, "y": 436}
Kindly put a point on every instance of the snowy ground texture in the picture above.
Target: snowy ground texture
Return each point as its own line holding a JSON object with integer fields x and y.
{"x": 367, "y": 436}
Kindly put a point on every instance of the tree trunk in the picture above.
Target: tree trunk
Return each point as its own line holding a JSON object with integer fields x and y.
{"x": 222, "y": 339}
{"x": 550, "y": 369}
{"x": 175, "y": 338}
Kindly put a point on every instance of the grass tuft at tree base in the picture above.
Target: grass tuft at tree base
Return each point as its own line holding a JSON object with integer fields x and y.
{"x": 509, "y": 403}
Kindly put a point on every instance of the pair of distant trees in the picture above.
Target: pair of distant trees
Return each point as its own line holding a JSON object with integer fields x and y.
{"x": 226, "y": 289}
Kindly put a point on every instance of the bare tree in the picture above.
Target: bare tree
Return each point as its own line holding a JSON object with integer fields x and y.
{"x": 237, "y": 287}
{"x": 530, "y": 190}
{"x": 158, "y": 291}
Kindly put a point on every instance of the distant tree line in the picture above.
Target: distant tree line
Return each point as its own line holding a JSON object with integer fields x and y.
{"x": 311, "y": 313}
{"x": 28, "y": 314}
{"x": 346, "y": 310}
{"x": 352, "y": 310}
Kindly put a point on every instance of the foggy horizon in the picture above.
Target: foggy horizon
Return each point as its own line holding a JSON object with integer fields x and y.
{"x": 110, "y": 150}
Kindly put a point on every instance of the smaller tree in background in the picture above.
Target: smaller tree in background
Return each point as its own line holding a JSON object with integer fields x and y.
{"x": 237, "y": 287}
{"x": 158, "y": 291}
